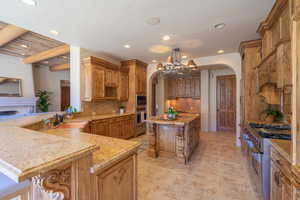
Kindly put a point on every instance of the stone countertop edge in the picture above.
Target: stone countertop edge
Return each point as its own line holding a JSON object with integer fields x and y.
{"x": 179, "y": 122}
{"x": 97, "y": 117}
{"x": 97, "y": 166}
{"x": 18, "y": 176}
{"x": 283, "y": 147}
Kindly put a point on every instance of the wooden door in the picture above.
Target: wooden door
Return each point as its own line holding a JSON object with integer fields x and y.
{"x": 117, "y": 183}
{"x": 64, "y": 94}
{"x": 226, "y": 103}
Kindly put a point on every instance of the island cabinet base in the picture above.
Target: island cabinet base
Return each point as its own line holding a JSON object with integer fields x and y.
{"x": 117, "y": 181}
{"x": 71, "y": 181}
{"x": 175, "y": 141}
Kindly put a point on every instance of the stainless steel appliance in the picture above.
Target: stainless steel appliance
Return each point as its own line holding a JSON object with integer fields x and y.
{"x": 258, "y": 153}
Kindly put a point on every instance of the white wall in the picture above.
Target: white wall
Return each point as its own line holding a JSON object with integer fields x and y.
{"x": 13, "y": 67}
{"x": 50, "y": 81}
{"x": 232, "y": 60}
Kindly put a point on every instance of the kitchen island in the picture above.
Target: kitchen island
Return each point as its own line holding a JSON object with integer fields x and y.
{"x": 173, "y": 138}
{"x": 65, "y": 164}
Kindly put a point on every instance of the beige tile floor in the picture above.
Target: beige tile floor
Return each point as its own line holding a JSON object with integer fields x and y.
{"x": 217, "y": 171}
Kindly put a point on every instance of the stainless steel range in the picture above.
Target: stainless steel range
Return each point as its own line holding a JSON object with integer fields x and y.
{"x": 258, "y": 153}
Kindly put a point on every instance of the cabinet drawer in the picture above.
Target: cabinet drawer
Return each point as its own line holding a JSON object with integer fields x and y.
{"x": 281, "y": 162}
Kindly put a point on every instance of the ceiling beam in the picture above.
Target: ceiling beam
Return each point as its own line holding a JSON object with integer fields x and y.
{"x": 45, "y": 55}
{"x": 59, "y": 67}
{"x": 9, "y": 33}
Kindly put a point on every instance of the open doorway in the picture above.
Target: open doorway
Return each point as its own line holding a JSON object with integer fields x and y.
{"x": 226, "y": 103}
{"x": 64, "y": 94}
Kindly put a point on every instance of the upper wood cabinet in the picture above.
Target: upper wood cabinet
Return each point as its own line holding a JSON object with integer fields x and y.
{"x": 188, "y": 87}
{"x": 123, "y": 91}
{"x": 141, "y": 80}
{"x": 103, "y": 80}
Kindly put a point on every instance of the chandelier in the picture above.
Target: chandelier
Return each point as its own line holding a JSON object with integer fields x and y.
{"x": 175, "y": 64}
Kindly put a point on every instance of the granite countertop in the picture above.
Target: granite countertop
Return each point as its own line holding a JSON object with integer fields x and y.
{"x": 25, "y": 153}
{"x": 182, "y": 119}
{"x": 97, "y": 117}
{"x": 284, "y": 147}
{"x": 111, "y": 149}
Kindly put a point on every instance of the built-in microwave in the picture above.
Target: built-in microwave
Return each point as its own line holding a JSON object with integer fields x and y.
{"x": 141, "y": 100}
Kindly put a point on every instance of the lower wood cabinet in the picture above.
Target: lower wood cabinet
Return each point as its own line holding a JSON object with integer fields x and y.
{"x": 118, "y": 181}
{"x": 281, "y": 185}
{"x": 118, "y": 127}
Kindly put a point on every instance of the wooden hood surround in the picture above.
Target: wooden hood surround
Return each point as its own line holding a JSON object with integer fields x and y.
{"x": 270, "y": 71}
{"x": 34, "y": 48}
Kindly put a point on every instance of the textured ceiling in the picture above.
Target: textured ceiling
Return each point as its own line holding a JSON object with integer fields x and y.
{"x": 105, "y": 26}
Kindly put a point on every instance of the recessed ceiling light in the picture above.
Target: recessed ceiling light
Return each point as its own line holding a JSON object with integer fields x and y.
{"x": 220, "y": 51}
{"x": 24, "y": 46}
{"x": 220, "y": 26}
{"x": 23, "y": 54}
{"x": 29, "y": 2}
{"x": 127, "y": 46}
{"x": 166, "y": 37}
{"x": 184, "y": 57}
{"x": 153, "y": 21}
{"x": 54, "y": 32}
{"x": 154, "y": 61}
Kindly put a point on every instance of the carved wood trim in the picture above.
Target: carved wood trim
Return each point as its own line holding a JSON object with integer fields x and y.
{"x": 55, "y": 184}
{"x": 180, "y": 145}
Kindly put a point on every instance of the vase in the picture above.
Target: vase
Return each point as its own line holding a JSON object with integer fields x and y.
{"x": 122, "y": 111}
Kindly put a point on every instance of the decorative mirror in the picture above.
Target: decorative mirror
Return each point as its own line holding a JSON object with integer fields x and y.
{"x": 10, "y": 87}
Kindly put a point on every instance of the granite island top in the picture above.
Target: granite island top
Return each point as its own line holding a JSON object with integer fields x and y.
{"x": 25, "y": 153}
{"x": 111, "y": 149}
{"x": 284, "y": 147}
{"x": 181, "y": 120}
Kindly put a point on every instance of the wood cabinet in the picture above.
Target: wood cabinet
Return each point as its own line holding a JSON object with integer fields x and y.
{"x": 123, "y": 91}
{"x": 280, "y": 177}
{"x": 118, "y": 127}
{"x": 118, "y": 182}
{"x": 141, "y": 80}
{"x": 102, "y": 80}
{"x": 188, "y": 87}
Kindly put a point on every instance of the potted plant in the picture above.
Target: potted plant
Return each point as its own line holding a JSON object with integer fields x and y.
{"x": 70, "y": 111}
{"x": 171, "y": 113}
{"x": 272, "y": 114}
{"x": 122, "y": 109}
{"x": 44, "y": 100}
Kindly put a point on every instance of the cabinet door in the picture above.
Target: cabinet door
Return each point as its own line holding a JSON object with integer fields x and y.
{"x": 197, "y": 88}
{"x": 287, "y": 189}
{"x": 99, "y": 127}
{"x": 108, "y": 77}
{"x": 124, "y": 86}
{"x": 114, "y": 128}
{"x": 118, "y": 182}
{"x": 180, "y": 87}
{"x": 115, "y": 79}
{"x": 276, "y": 189}
{"x": 98, "y": 83}
{"x": 188, "y": 88}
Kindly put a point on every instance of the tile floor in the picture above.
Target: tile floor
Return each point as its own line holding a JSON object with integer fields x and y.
{"x": 217, "y": 171}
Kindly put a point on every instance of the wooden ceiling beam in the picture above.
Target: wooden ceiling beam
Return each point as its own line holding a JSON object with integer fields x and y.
{"x": 45, "y": 55}
{"x": 59, "y": 67}
{"x": 9, "y": 33}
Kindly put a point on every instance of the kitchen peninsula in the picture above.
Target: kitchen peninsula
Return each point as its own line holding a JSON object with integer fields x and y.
{"x": 173, "y": 138}
{"x": 66, "y": 163}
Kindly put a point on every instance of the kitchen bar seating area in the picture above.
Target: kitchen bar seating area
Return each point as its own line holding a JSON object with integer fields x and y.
{"x": 143, "y": 100}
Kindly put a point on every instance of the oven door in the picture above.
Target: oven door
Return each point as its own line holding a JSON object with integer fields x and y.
{"x": 255, "y": 168}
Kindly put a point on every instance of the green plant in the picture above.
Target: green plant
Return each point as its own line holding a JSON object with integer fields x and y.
{"x": 71, "y": 110}
{"x": 121, "y": 107}
{"x": 43, "y": 101}
{"x": 270, "y": 111}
